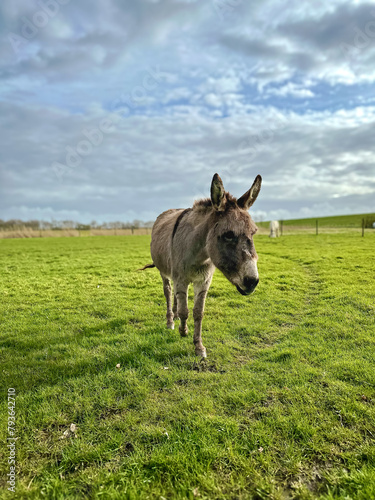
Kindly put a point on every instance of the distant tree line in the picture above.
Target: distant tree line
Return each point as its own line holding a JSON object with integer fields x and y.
{"x": 40, "y": 225}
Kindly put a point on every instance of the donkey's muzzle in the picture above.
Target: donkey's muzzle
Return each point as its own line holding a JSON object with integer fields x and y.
{"x": 248, "y": 286}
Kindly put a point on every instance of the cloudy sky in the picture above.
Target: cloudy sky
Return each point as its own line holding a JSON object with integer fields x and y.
{"x": 120, "y": 109}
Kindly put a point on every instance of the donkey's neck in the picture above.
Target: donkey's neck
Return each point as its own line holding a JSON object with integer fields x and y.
{"x": 200, "y": 219}
{"x": 190, "y": 257}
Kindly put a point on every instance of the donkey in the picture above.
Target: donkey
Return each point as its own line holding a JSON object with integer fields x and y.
{"x": 187, "y": 245}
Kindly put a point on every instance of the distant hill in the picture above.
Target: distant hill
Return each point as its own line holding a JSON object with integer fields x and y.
{"x": 332, "y": 221}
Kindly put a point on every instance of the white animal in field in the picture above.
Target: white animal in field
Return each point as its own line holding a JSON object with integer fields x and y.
{"x": 274, "y": 229}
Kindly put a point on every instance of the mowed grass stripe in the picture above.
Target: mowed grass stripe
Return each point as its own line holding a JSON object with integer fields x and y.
{"x": 283, "y": 408}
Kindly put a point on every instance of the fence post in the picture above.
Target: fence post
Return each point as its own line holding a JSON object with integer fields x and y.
{"x": 363, "y": 227}
{"x": 281, "y": 227}
{"x": 317, "y": 231}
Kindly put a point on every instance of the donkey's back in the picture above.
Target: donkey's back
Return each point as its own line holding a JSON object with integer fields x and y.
{"x": 161, "y": 240}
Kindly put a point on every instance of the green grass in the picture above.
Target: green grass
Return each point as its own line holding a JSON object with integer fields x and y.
{"x": 284, "y": 407}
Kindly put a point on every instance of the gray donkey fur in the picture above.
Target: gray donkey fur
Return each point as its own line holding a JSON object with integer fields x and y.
{"x": 187, "y": 245}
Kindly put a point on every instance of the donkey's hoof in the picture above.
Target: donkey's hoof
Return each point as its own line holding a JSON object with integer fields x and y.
{"x": 184, "y": 333}
{"x": 201, "y": 352}
{"x": 170, "y": 326}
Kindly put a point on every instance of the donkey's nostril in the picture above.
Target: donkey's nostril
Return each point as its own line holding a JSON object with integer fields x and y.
{"x": 250, "y": 283}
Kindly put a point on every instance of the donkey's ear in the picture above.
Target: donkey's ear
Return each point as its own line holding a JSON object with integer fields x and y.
{"x": 218, "y": 197}
{"x": 250, "y": 196}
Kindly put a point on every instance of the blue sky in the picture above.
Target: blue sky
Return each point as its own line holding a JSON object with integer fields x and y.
{"x": 118, "y": 110}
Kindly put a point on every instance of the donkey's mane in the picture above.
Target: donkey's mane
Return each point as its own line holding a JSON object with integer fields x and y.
{"x": 203, "y": 204}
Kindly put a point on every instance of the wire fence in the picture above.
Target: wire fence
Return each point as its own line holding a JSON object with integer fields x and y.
{"x": 63, "y": 233}
{"x": 325, "y": 225}
{"x": 357, "y": 224}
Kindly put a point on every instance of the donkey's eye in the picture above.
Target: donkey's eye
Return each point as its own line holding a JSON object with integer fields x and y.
{"x": 229, "y": 236}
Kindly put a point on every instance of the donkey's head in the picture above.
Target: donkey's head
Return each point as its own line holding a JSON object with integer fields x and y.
{"x": 230, "y": 241}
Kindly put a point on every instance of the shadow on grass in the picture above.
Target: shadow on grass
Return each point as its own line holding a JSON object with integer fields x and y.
{"x": 47, "y": 361}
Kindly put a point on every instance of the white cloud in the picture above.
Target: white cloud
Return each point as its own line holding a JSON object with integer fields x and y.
{"x": 213, "y": 100}
{"x": 291, "y": 89}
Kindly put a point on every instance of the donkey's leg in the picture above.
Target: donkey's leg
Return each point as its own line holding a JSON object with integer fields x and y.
{"x": 200, "y": 292}
{"x": 182, "y": 307}
{"x": 175, "y": 314}
{"x": 168, "y": 295}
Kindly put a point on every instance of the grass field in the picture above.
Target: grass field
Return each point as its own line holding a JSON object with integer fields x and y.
{"x": 284, "y": 406}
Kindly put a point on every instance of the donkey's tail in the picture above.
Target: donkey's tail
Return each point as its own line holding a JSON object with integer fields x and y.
{"x": 146, "y": 267}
